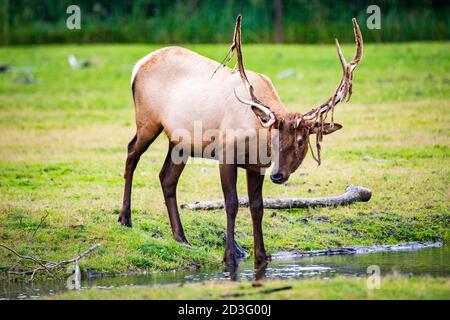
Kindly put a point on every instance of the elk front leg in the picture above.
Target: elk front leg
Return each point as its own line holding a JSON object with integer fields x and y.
{"x": 254, "y": 187}
{"x": 228, "y": 177}
{"x": 169, "y": 176}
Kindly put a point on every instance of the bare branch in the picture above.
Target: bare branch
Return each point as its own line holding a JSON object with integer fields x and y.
{"x": 37, "y": 261}
{"x": 47, "y": 265}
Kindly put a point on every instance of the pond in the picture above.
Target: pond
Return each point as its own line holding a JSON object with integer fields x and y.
{"x": 433, "y": 261}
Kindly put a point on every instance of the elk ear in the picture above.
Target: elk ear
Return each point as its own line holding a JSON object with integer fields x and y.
{"x": 327, "y": 128}
{"x": 263, "y": 117}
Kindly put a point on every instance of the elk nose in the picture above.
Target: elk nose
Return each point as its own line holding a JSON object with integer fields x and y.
{"x": 277, "y": 177}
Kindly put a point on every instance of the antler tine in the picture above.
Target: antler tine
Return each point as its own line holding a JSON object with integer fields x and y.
{"x": 240, "y": 62}
{"x": 358, "y": 55}
{"x": 359, "y": 43}
{"x": 236, "y": 49}
{"x": 262, "y": 108}
{"x": 340, "y": 54}
{"x": 232, "y": 50}
{"x": 254, "y": 100}
{"x": 344, "y": 89}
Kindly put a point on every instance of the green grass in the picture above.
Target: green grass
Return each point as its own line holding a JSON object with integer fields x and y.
{"x": 63, "y": 145}
{"x": 391, "y": 288}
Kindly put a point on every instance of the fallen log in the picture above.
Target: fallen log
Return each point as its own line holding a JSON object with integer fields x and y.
{"x": 402, "y": 246}
{"x": 352, "y": 194}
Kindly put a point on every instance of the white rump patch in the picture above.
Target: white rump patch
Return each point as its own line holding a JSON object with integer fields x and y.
{"x": 139, "y": 64}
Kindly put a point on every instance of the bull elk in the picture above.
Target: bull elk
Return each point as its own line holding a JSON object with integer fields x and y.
{"x": 174, "y": 87}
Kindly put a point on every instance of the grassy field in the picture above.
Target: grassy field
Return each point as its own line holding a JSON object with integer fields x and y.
{"x": 391, "y": 288}
{"x": 63, "y": 146}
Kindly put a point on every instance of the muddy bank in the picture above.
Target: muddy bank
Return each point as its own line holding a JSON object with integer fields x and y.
{"x": 405, "y": 246}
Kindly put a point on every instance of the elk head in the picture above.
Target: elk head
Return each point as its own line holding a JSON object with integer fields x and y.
{"x": 295, "y": 129}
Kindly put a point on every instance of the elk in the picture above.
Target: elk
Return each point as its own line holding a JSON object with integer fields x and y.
{"x": 174, "y": 87}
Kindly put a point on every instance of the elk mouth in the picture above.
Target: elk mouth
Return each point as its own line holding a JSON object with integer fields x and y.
{"x": 279, "y": 178}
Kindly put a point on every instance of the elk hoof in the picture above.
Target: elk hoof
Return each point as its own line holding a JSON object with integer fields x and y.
{"x": 183, "y": 240}
{"x": 187, "y": 244}
{"x": 230, "y": 260}
{"x": 231, "y": 266}
{"x": 262, "y": 258}
{"x": 125, "y": 221}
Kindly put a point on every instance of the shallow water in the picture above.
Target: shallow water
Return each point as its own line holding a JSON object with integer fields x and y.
{"x": 430, "y": 261}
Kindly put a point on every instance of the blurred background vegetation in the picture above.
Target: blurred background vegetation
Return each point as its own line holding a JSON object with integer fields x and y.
{"x": 196, "y": 21}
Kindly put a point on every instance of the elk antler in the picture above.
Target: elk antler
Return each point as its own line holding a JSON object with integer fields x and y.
{"x": 318, "y": 115}
{"x": 254, "y": 102}
{"x": 345, "y": 85}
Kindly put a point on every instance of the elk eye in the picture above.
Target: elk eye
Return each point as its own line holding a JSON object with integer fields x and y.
{"x": 300, "y": 142}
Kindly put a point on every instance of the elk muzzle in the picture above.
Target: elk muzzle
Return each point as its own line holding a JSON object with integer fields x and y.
{"x": 279, "y": 177}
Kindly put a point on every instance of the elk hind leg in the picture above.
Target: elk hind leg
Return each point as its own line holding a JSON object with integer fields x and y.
{"x": 137, "y": 146}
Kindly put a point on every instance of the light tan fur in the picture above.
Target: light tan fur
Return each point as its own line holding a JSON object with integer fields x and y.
{"x": 173, "y": 88}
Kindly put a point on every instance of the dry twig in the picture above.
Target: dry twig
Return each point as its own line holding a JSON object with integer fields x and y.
{"x": 46, "y": 265}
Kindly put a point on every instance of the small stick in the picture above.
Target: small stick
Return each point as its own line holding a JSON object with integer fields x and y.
{"x": 265, "y": 291}
{"x": 39, "y": 225}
